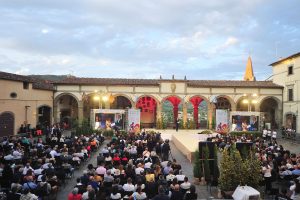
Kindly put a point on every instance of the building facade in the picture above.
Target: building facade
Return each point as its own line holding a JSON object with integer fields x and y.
{"x": 33, "y": 101}
{"x": 23, "y": 100}
{"x": 286, "y": 72}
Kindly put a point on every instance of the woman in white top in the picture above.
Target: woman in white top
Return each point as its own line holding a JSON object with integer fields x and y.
{"x": 139, "y": 194}
{"x": 267, "y": 172}
{"x": 115, "y": 194}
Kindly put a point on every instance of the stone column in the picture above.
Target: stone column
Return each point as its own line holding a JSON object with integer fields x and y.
{"x": 56, "y": 114}
{"x": 80, "y": 111}
{"x": 158, "y": 111}
{"x": 211, "y": 115}
{"x": 184, "y": 112}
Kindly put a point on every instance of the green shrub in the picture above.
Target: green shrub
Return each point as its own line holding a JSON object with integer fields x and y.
{"x": 197, "y": 169}
{"x": 206, "y": 132}
{"x": 108, "y": 133}
{"x": 240, "y": 133}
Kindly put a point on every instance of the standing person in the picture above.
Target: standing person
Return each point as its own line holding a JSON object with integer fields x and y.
{"x": 165, "y": 150}
{"x": 177, "y": 124}
{"x": 266, "y": 170}
{"x": 274, "y": 135}
{"x": 269, "y": 135}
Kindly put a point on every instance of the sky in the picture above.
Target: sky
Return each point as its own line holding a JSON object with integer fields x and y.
{"x": 199, "y": 39}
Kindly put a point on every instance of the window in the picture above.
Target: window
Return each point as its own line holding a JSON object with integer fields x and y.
{"x": 25, "y": 85}
{"x": 290, "y": 94}
{"x": 13, "y": 95}
{"x": 290, "y": 70}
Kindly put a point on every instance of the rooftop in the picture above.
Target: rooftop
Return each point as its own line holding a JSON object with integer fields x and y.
{"x": 284, "y": 59}
{"x": 36, "y": 83}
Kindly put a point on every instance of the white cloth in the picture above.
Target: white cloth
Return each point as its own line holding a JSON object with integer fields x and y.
{"x": 244, "y": 192}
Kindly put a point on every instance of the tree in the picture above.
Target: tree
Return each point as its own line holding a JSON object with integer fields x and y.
{"x": 228, "y": 179}
{"x": 207, "y": 173}
{"x": 197, "y": 170}
{"x": 235, "y": 171}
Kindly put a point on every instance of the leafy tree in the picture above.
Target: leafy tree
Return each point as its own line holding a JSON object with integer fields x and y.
{"x": 198, "y": 167}
{"x": 207, "y": 172}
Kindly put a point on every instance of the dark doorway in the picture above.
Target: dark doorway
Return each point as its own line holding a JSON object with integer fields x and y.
{"x": 44, "y": 116}
{"x": 7, "y": 121}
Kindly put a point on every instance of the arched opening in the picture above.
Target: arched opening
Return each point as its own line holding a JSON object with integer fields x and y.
{"x": 44, "y": 116}
{"x": 7, "y": 122}
{"x": 291, "y": 121}
{"x": 199, "y": 105}
{"x": 223, "y": 103}
{"x": 269, "y": 107}
{"x": 245, "y": 104}
{"x": 147, "y": 106}
{"x": 171, "y": 106}
{"x": 67, "y": 107}
{"x": 120, "y": 102}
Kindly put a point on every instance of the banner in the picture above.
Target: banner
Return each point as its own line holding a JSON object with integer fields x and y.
{"x": 134, "y": 118}
{"x": 245, "y": 123}
{"x": 222, "y": 121}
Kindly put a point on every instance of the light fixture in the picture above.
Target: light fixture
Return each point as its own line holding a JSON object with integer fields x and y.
{"x": 96, "y": 98}
{"x": 104, "y": 98}
{"x": 245, "y": 101}
{"x": 254, "y": 101}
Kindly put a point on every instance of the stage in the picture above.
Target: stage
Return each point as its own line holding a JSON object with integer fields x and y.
{"x": 185, "y": 140}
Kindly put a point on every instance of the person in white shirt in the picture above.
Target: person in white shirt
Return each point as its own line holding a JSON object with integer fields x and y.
{"x": 170, "y": 176}
{"x": 265, "y": 133}
{"x": 266, "y": 170}
{"x": 274, "y": 135}
{"x": 26, "y": 168}
{"x": 17, "y": 155}
{"x": 139, "y": 169}
{"x": 85, "y": 196}
{"x": 54, "y": 153}
{"x": 186, "y": 184}
{"x": 128, "y": 187}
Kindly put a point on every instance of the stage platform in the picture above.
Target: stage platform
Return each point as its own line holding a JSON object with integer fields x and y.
{"x": 185, "y": 140}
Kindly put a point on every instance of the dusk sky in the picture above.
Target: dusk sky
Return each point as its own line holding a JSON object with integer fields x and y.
{"x": 209, "y": 39}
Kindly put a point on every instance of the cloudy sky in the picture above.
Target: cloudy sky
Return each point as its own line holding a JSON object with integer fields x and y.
{"x": 202, "y": 39}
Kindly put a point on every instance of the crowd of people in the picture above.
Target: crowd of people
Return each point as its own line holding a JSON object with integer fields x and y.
{"x": 134, "y": 166}
{"x": 33, "y": 168}
{"x": 280, "y": 168}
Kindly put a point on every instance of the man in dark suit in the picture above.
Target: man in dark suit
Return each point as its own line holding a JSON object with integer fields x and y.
{"x": 119, "y": 121}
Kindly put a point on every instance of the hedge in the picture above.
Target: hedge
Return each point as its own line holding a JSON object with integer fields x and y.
{"x": 240, "y": 133}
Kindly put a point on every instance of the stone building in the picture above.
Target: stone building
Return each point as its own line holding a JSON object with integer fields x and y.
{"x": 74, "y": 97}
{"x": 286, "y": 72}
{"x": 24, "y": 100}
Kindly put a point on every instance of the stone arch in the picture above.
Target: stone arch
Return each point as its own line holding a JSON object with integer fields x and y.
{"x": 229, "y": 99}
{"x": 200, "y": 105}
{"x": 44, "y": 113}
{"x": 65, "y": 93}
{"x": 170, "y": 109}
{"x": 148, "y": 107}
{"x": 113, "y": 97}
{"x": 241, "y": 106}
{"x": 7, "y": 123}
{"x": 66, "y": 107}
{"x": 270, "y": 107}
